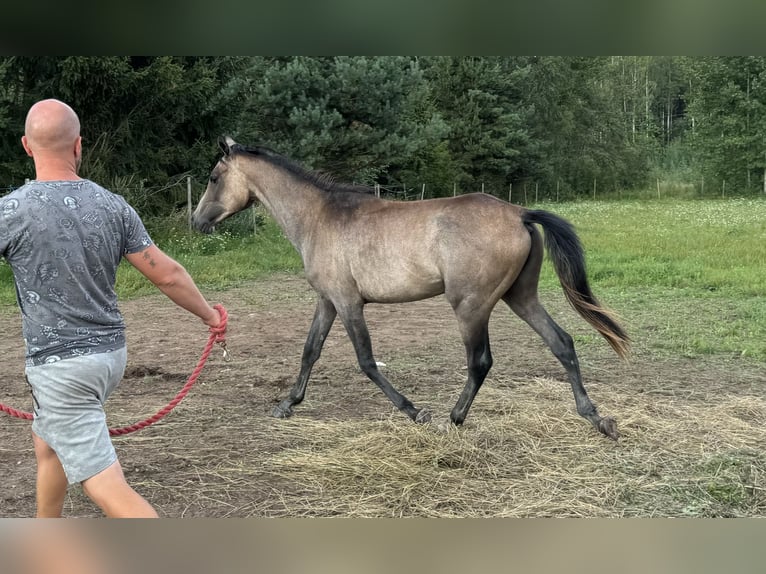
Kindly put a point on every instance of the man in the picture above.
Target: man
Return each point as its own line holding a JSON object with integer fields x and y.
{"x": 64, "y": 237}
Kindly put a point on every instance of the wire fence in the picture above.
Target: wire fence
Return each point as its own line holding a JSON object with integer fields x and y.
{"x": 180, "y": 192}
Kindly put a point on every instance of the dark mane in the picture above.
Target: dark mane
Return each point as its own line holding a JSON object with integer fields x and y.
{"x": 322, "y": 180}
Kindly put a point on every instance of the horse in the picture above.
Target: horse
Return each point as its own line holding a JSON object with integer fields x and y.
{"x": 358, "y": 248}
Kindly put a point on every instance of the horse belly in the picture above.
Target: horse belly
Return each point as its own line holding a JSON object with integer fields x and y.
{"x": 399, "y": 283}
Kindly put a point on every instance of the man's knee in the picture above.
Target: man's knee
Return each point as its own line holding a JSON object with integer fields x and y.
{"x": 107, "y": 480}
{"x": 43, "y": 450}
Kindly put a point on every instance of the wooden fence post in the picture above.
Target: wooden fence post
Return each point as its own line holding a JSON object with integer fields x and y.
{"x": 188, "y": 201}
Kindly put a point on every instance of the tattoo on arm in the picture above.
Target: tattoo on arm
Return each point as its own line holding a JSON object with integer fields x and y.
{"x": 149, "y": 259}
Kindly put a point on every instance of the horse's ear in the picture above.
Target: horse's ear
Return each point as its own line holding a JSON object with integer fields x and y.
{"x": 226, "y": 143}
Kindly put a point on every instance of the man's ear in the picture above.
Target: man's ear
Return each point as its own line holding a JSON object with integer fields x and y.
{"x": 78, "y": 153}
{"x": 26, "y": 146}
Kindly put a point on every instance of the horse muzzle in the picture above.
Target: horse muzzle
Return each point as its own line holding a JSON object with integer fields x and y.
{"x": 206, "y": 227}
{"x": 206, "y": 219}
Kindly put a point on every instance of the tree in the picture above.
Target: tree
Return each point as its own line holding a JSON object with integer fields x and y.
{"x": 152, "y": 118}
{"x": 585, "y": 125}
{"x": 727, "y": 102}
{"x": 363, "y": 119}
{"x": 482, "y": 101}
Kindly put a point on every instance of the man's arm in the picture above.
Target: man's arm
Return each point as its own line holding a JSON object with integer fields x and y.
{"x": 173, "y": 280}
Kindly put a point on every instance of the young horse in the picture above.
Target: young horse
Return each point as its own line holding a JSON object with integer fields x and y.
{"x": 357, "y": 249}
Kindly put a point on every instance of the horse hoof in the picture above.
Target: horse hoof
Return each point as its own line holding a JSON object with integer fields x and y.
{"x": 446, "y": 426}
{"x": 423, "y": 417}
{"x": 608, "y": 426}
{"x": 281, "y": 412}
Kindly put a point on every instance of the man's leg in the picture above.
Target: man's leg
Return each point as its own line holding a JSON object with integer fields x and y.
{"x": 110, "y": 491}
{"x": 51, "y": 480}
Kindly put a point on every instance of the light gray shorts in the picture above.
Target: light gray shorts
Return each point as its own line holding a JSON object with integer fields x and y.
{"x": 68, "y": 400}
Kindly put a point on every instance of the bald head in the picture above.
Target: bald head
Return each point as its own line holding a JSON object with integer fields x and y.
{"x": 52, "y": 139}
{"x": 51, "y": 126}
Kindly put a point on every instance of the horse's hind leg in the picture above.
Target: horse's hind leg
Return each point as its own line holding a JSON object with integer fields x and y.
{"x": 324, "y": 316}
{"x": 479, "y": 362}
{"x": 353, "y": 319}
{"x": 560, "y": 342}
{"x": 522, "y": 299}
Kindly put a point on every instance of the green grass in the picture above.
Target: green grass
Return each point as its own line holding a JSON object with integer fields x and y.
{"x": 226, "y": 258}
{"x": 704, "y": 246}
{"x": 230, "y": 256}
{"x": 687, "y": 276}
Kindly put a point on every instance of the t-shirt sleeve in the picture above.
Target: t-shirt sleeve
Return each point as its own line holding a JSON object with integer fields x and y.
{"x": 7, "y": 207}
{"x": 136, "y": 236}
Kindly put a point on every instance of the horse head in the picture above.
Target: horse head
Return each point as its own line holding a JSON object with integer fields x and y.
{"x": 226, "y": 193}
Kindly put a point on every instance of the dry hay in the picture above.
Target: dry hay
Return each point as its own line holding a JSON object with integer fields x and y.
{"x": 523, "y": 452}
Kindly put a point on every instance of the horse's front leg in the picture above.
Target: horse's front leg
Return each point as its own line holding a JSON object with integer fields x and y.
{"x": 324, "y": 316}
{"x": 353, "y": 320}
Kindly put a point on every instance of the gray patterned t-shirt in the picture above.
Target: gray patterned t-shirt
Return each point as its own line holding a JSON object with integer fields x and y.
{"x": 64, "y": 241}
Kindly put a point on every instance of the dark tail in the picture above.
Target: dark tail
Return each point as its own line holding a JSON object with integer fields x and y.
{"x": 566, "y": 252}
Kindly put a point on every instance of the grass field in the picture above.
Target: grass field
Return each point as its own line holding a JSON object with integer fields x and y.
{"x": 688, "y": 274}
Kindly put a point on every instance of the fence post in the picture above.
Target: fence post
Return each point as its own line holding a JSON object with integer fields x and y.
{"x": 510, "y": 192}
{"x": 188, "y": 202}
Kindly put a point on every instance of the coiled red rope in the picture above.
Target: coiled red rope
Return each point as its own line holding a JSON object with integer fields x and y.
{"x": 217, "y": 335}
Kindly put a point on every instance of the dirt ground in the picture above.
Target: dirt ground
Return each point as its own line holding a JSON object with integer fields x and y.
{"x": 204, "y": 458}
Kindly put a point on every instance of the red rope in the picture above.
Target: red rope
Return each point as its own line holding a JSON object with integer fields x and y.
{"x": 217, "y": 335}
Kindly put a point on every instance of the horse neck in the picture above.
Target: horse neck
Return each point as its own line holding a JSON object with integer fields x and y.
{"x": 291, "y": 201}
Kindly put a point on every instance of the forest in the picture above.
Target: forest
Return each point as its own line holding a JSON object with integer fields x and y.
{"x": 563, "y": 126}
